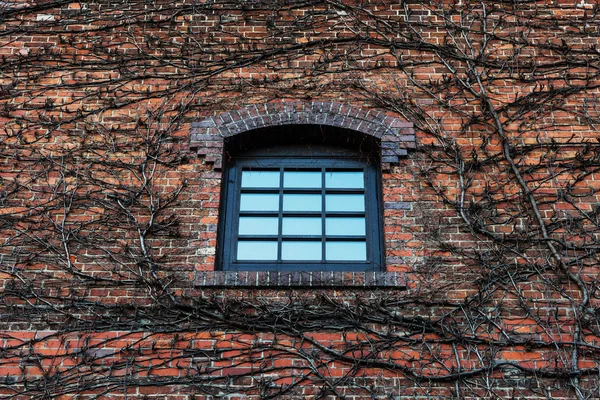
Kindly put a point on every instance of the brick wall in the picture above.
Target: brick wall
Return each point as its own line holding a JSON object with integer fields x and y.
{"x": 114, "y": 118}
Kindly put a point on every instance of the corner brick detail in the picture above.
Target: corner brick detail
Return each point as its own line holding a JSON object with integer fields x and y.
{"x": 396, "y": 136}
{"x": 396, "y": 280}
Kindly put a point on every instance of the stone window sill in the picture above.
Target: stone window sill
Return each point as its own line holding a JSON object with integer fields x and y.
{"x": 253, "y": 279}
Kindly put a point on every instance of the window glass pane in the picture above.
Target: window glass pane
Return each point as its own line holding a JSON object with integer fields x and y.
{"x": 299, "y": 179}
{"x": 344, "y": 180}
{"x": 346, "y": 251}
{"x": 260, "y": 179}
{"x": 345, "y": 202}
{"x": 301, "y": 202}
{"x": 259, "y": 202}
{"x": 345, "y": 226}
{"x": 301, "y": 251}
{"x": 258, "y": 226}
{"x": 257, "y": 250}
{"x": 301, "y": 226}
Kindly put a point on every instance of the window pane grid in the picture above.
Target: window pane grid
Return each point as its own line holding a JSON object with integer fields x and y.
{"x": 296, "y": 199}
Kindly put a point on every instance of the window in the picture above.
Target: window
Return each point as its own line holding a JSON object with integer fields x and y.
{"x": 307, "y": 207}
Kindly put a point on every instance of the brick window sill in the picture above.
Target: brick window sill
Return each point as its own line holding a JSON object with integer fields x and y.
{"x": 252, "y": 279}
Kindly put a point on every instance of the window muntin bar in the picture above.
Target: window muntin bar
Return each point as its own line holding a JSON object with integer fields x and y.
{"x": 296, "y": 195}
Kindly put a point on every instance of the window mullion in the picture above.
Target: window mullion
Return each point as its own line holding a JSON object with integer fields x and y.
{"x": 323, "y": 215}
{"x": 280, "y": 216}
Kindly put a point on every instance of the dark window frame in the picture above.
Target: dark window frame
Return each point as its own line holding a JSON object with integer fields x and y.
{"x": 301, "y": 157}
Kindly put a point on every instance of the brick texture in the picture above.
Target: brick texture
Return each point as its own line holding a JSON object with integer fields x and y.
{"x": 396, "y": 280}
{"x": 395, "y": 136}
{"x": 113, "y": 122}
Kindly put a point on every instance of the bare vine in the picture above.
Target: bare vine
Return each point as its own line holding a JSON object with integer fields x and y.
{"x": 105, "y": 215}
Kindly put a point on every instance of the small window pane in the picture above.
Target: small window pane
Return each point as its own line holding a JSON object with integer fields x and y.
{"x": 259, "y": 202}
{"x": 258, "y": 226}
{"x": 257, "y": 250}
{"x": 301, "y": 202}
{"x": 346, "y": 251}
{"x": 345, "y": 226}
{"x": 301, "y": 226}
{"x": 345, "y": 202}
{"x": 344, "y": 180}
{"x": 301, "y": 251}
{"x": 260, "y": 179}
{"x": 299, "y": 179}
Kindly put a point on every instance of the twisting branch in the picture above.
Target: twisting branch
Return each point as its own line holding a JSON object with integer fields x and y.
{"x": 106, "y": 214}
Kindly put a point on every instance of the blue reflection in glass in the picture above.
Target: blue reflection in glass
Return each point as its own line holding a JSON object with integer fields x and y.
{"x": 257, "y": 250}
{"x": 345, "y": 202}
{"x": 301, "y": 226}
{"x": 301, "y": 179}
{"x": 346, "y": 251}
{"x": 301, "y": 202}
{"x": 301, "y": 251}
{"x": 259, "y": 202}
{"x": 345, "y": 226}
{"x": 258, "y": 225}
{"x": 344, "y": 180}
{"x": 260, "y": 179}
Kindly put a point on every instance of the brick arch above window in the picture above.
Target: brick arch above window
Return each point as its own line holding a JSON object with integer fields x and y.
{"x": 396, "y": 136}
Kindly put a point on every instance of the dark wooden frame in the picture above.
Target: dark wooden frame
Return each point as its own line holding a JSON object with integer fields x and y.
{"x": 314, "y": 158}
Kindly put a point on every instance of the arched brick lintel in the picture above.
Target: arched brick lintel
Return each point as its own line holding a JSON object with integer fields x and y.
{"x": 396, "y": 136}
